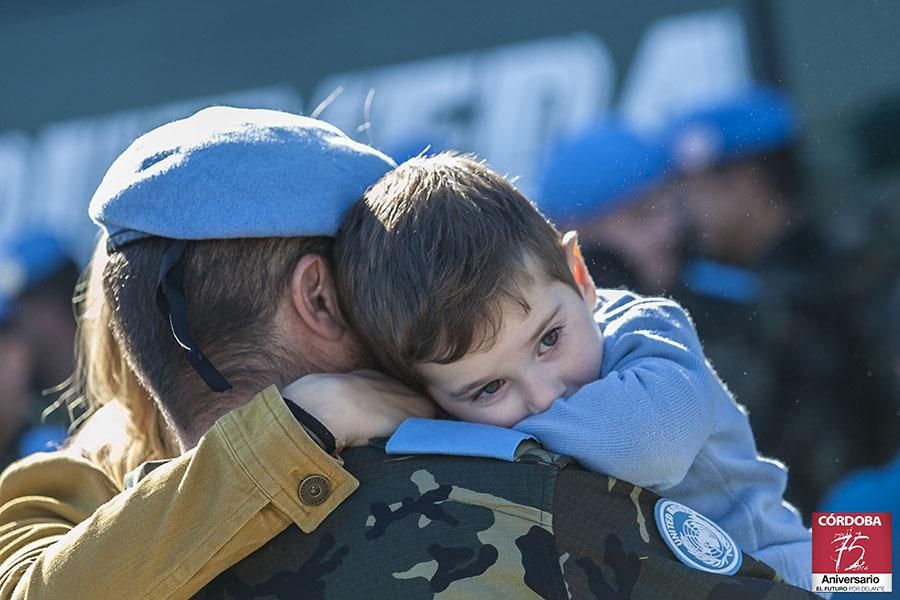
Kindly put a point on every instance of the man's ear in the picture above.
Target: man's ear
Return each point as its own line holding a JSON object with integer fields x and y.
{"x": 314, "y": 298}
{"x": 579, "y": 269}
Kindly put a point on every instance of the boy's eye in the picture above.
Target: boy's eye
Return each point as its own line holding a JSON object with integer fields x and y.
{"x": 550, "y": 338}
{"x": 490, "y": 389}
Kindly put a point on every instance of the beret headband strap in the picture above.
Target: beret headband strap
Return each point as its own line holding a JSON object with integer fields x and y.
{"x": 171, "y": 302}
{"x": 126, "y": 237}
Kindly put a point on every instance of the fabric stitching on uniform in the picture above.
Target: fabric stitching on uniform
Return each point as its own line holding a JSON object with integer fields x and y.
{"x": 170, "y": 576}
{"x": 338, "y": 491}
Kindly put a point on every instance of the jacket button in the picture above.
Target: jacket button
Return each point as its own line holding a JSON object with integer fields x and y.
{"x": 314, "y": 490}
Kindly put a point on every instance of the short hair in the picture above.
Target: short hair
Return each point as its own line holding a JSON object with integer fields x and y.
{"x": 232, "y": 290}
{"x": 426, "y": 259}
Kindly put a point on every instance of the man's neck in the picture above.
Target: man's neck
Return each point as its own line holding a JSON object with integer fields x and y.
{"x": 250, "y": 382}
{"x": 216, "y": 405}
{"x": 283, "y": 368}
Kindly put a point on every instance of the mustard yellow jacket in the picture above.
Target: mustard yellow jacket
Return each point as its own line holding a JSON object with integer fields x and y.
{"x": 68, "y": 531}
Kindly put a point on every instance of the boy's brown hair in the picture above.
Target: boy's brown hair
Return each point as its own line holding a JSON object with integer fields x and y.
{"x": 426, "y": 259}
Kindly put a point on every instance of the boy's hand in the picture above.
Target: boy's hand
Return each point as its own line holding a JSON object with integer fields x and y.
{"x": 358, "y": 406}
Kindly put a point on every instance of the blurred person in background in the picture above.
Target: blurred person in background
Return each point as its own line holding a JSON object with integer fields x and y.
{"x": 738, "y": 184}
{"x": 765, "y": 291}
{"x": 610, "y": 183}
{"x": 44, "y": 304}
{"x": 36, "y": 281}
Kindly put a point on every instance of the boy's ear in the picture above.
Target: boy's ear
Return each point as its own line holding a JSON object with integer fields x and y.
{"x": 579, "y": 269}
{"x": 314, "y": 298}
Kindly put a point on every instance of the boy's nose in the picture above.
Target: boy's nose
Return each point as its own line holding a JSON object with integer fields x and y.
{"x": 543, "y": 392}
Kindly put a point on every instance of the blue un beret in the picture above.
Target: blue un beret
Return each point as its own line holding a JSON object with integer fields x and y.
{"x": 34, "y": 255}
{"x": 232, "y": 172}
{"x": 750, "y": 123}
{"x": 598, "y": 170}
{"x": 26, "y": 260}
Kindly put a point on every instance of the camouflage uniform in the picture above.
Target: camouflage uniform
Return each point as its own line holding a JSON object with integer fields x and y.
{"x": 451, "y": 527}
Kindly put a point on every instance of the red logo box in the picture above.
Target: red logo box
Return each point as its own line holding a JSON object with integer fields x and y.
{"x": 851, "y": 552}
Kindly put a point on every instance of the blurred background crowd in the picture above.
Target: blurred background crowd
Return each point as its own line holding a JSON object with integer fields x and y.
{"x": 742, "y": 157}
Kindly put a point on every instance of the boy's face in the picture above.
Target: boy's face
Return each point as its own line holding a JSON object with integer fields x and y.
{"x": 536, "y": 358}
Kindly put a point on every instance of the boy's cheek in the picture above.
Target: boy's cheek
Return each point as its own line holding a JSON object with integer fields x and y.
{"x": 601, "y": 345}
{"x": 461, "y": 410}
{"x": 592, "y": 358}
{"x": 449, "y": 409}
{"x": 495, "y": 414}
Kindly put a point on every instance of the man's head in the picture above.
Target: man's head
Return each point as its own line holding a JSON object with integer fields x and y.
{"x": 738, "y": 172}
{"x": 737, "y": 210}
{"x": 611, "y": 183}
{"x": 455, "y": 280}
{"x": 257, "y": 308}
{"x": 223, "y": 222}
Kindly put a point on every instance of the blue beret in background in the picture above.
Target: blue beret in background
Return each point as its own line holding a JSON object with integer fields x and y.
{"x": 746, "y": 124}
{"x": 601, "y": 168}
{"x": 27, "y": 259}
{"x": 229, "y": 173}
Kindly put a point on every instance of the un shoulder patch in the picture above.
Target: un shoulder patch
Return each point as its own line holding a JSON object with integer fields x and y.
{"x": 697, "y": 541}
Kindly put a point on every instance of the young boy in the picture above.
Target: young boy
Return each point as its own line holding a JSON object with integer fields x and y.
{"x": 460, "y": 288}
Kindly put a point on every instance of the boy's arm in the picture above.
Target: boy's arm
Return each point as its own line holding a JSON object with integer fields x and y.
{"x": 646, "y": 419}
{"x": 176, "y": 529}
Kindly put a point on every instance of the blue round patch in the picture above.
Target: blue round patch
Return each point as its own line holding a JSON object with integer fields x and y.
{"x": 697, "y": 541}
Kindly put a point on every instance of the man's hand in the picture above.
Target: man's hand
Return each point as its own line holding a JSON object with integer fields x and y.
{"x": 358, "y": 406}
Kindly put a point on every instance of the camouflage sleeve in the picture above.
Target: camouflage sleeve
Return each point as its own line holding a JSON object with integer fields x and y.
{"x": 611, "y": 547}
{"x": 449, "y": 527}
